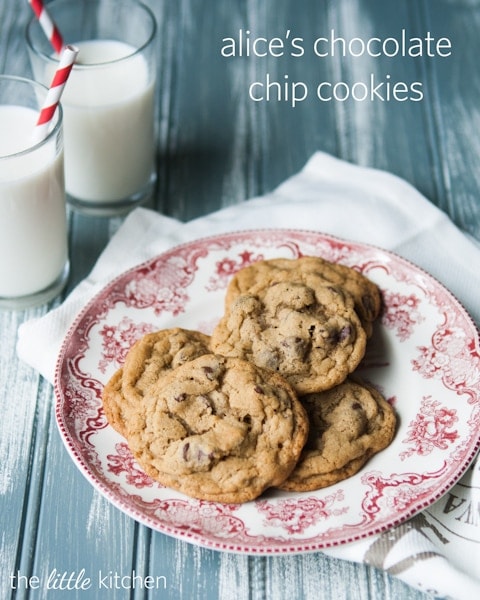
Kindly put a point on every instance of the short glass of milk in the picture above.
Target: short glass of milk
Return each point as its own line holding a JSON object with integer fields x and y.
{"x": 33, "y": 224}
{"x": 109, "y": 108}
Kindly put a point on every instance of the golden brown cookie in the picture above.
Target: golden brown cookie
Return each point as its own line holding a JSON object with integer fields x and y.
{"x": 218, "y": 429}
{"x": 348, "y": 425}
{"x": 149, "y": 359}
{"x": 113, "y": 401}
{"x": 307, "y": 331}
{"x": 365, "y": 293}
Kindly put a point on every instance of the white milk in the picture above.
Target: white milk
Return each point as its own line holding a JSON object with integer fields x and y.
{"x": 108, "y": 123}
{"x": 33, "y": 239}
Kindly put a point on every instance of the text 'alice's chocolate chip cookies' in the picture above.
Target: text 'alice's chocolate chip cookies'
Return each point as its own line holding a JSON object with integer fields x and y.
{"x": 218, "y": 429}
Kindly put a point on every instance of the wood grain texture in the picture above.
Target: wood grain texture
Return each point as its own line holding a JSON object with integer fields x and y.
{"x": 456, "y": 111}
{"x": 216, "y": 147}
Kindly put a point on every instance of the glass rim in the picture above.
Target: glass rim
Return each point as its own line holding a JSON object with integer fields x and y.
{"x": 77, "y": 66}
{"x": 51, "y": 134}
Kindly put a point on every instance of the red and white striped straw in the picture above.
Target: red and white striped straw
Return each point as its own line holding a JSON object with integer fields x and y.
{"x": 48, "y": 25}
{"x": 55, "y": 91}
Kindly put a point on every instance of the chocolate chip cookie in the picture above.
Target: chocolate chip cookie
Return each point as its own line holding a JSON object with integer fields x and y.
{"x": 365, "y": 293}
{"x": 149, "y": 359}
{"x": 307, "y": 331}
{"x": 348, "y": 425}
{"x": 113, "y": 401}
{"x": 218, "y": 429}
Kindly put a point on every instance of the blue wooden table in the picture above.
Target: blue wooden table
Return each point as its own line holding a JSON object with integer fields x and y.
{"x": 222, "y": 140}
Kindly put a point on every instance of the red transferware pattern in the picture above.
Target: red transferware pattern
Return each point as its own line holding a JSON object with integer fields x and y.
{"x": 423, "y": 356}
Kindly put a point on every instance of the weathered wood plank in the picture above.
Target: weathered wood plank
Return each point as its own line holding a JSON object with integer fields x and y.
{"x": 455, "y": 86}
{"x": 21, "y": 418}
{"x": 78, "y": 529}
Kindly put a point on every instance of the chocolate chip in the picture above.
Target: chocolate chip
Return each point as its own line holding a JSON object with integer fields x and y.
{"x": 209, "y": 373}
{"x": 291, "y": 341}
{"x": 295, "y": 346}
{"x": 342, "y": 335}
{"x": 201, "y": 455}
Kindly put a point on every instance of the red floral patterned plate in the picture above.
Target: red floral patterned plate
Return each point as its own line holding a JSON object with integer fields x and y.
{"x": 424, "y": 356}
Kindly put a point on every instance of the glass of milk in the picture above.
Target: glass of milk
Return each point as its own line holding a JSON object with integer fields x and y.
{"x": 109, "y": 108}
{"x": 33, "y": 225}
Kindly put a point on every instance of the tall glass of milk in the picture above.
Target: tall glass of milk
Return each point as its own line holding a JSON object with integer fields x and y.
{"x": 109, "y": 108}
{"x": 33, "y": 225}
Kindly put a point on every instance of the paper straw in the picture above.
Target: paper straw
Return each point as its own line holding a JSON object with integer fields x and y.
{"x": 55, "y": 92}
{"x": 48, "y": 25}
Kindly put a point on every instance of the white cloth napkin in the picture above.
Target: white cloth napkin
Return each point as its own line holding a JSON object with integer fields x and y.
{"x": 429, "y": 552}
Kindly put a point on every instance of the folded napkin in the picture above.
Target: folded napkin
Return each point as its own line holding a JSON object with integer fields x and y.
{"x": 431, "y": 551}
